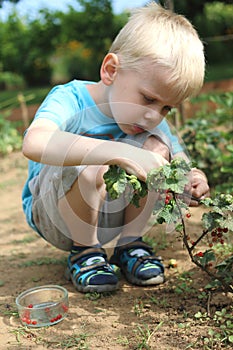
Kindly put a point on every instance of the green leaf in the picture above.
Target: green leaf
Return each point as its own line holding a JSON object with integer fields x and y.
{"x": 116, "y": 181}
{"x": 230, "y": 338}
{"x": 208, "y": 256}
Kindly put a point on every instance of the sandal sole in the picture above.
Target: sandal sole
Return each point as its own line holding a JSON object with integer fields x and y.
{"x": 99, "y": 288}
{"x": 139, "y": 282}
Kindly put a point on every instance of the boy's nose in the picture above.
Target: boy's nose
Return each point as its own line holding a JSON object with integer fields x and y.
{"x": 153, "y": 116}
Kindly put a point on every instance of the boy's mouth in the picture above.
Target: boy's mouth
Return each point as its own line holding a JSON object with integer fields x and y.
{"x": 138, "y": 129}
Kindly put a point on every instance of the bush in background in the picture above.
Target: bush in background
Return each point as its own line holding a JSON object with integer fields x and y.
{"x": 208, "y": 139}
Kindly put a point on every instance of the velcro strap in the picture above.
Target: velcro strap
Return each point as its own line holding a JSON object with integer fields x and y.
{"x": 86, "y": 252}
{"x": 135, "y": 245}
{"x": 140, "y": 260}
{"x": 83, "y": 269}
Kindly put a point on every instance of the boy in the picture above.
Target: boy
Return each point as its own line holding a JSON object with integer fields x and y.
{"x": 81, "y": 128}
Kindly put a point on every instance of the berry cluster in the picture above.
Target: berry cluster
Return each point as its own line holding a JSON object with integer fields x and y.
{"x": 65, "y": 307}
{"x": 58, "y": 317}
{"x": 217, "y": 235}
{"x": 26, "y": 317}
{"x": 167, "y": 198}
{"x": 201, "y": 255}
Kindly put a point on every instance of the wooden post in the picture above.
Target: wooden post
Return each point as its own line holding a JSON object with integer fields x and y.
{"x": 24, "y": 109}
{"x": 169, "y": 4}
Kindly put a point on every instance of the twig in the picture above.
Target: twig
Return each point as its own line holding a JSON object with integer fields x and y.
{"x": 208, "y": 303}
{"x": 226, "y": 287}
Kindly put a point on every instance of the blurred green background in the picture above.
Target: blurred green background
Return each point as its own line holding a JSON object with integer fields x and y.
{"x": 58, "y": 46}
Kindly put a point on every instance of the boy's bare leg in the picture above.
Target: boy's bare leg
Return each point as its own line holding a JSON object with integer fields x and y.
{"x": 136, "y": 219}
{"x": 87, "y": 265}
{"x": 80, "y": 207}
{"x": 134, "y": 257}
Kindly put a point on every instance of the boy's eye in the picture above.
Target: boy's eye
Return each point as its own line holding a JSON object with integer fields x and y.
{"x": 167, "y": 109}
{"x": 148, "y": 99}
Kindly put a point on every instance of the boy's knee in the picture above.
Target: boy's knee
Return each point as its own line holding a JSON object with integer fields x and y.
{"x": 154, "y": 144}
{"x": 93, "y": 176}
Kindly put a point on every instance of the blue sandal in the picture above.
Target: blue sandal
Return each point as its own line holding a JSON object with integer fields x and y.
{"x": 138, "y": 264}
{"x": 90, "y": 272}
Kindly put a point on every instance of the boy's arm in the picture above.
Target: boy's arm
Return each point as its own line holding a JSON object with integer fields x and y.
{"x": 47, "y": 144}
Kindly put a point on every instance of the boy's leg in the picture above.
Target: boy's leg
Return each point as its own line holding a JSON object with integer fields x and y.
{"x": 135, "y": 258}
{"x": 80, "y": 207}
{"x": 136, "y": 219}
{"x": 87, "y": 264}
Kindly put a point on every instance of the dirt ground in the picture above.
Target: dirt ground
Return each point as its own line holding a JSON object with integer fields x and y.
{"x": 160, "y": 318}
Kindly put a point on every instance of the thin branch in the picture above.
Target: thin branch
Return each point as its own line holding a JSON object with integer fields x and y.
{"x": 226, "y": 286}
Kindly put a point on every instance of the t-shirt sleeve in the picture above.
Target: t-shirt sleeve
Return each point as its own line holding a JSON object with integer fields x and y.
{"x": 174, "y": 140}
{"x": 59, "y": 106}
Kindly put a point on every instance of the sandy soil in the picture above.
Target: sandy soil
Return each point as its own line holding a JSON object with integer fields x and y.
{"x": 161, "y": 318}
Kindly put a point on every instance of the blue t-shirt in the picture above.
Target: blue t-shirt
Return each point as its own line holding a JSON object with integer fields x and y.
{"x": 73, "y": 109}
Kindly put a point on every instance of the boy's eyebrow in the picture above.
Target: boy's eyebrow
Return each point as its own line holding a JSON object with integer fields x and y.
{"x": 156, "y": 97}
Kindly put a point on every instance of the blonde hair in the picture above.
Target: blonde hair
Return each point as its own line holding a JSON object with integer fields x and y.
{"x": 169, "y": 40}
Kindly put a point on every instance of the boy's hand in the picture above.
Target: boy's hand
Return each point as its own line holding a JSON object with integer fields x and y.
{"x": 199, "y": 187}
{"x": 141, "y": 162}
{"x": 157, "y": 156}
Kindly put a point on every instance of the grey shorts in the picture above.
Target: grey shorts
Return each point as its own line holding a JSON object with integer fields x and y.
{"x": 54, "y": 182}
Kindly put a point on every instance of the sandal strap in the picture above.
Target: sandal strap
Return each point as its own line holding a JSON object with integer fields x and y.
{"x": 88, "y": 251}
{"x": 79, "y": 270}
{"x": 138, "y": 260}
{"x": 134, "y": 245}
{"x": 142, "y": 259}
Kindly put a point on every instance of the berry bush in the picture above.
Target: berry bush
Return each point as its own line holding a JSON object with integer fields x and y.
{"x": 172, "y": 208}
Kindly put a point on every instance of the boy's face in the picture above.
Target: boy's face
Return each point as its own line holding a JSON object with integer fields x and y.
{"x": 140, "y": 100}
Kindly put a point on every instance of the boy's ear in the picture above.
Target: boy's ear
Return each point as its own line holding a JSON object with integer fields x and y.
{"x": 108, "y": 70}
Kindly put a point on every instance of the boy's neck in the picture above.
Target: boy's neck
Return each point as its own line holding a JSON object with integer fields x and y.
{"x": 99, "y": 93}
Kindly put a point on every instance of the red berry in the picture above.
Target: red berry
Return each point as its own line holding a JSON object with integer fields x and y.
{"x": 167, "y": 201}
{"x": 200, "y": 254}
{"x": 30, "y": 306}
{"x": 213, "y": 233}
{"x": 214, "y": 239}
{"x": 211, "y": 245}
{"x": 188, "y": 215}
{"x": 26, "y": 314}
{"x": 225, "y": 230}
{"x": 58, "y": 317}
{"x": 34, "y": 322}
{"x": 28, "y": 321}
{"x": 65, "y": 307}
{"x": 222, "y": 241}
{"x": 192, "y": 242}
